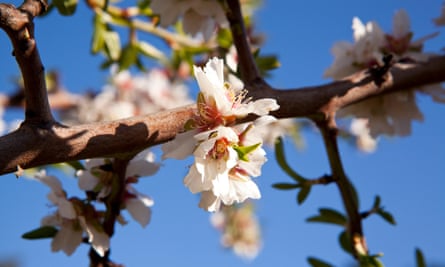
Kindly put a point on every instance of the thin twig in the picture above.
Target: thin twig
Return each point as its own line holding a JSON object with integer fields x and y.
{"x": 248, "y": 68}
{"x": 347, "y": 192}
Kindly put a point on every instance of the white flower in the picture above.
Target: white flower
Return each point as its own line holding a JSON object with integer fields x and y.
{"x": 225, "y": 160}
{"x": 69, "y": 235}
{"x": 126, "y": 96}
{"x": 219, "y": 103}
{"x": 96, "y": 177}
{"x": 390, "y": 114}
{"x": 199, "y": 16}
{"x": 240, "y": 229}
{"x": 71, "y": 224}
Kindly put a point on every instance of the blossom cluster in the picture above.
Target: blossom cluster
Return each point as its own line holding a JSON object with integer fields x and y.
{"x": 76, "y": 217}
{"x": 389, "y": 114}
{"x": 226, "y": 154}
{"x": 198, "y": 16}
{"x": 130, "y": 95}
{"x": 240, "y": 229}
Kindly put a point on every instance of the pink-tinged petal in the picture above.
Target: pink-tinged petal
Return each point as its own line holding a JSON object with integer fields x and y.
{"x": 401, "y": 24}
{"x": 139, "y": 210}
{"x": 67, "y": 239}
{"x": 66, "y": 209}
{"x": 180, "y": 147}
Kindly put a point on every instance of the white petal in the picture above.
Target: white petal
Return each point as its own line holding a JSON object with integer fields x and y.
{"x": 142, "y": 165}
{"x": 180, "y": 147}
{"x": 67, "y": 239}
{"x": 401, "y": 24}
{"x": 86, "y": 180}
{"x": 209, "y": 202}
{"x": 99, "y": 239}
{"x": 139, "y": 210}
{"x": 66, "y": 209}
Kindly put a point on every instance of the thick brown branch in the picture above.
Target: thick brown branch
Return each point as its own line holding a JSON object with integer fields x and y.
{"x": 18, "y": 24}
{"x": 329, "y": 98}
{"x": 30, "y": 146}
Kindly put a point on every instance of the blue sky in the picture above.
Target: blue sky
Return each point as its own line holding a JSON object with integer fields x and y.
{"x": 408, "y": 173}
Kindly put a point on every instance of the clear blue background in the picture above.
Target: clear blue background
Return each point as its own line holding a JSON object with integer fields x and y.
{"x": 408, "y": 173}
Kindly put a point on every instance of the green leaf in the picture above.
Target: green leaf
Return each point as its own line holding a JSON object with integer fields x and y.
{"x": 76, "y": 165}
{"x": 386, "y": 216}
{"x": 65, "y": 7}
{"x": 281, "y": 159}
{"x": 285, "y": 186}
{"x": 314, "y": 262}
{"x": 150, "y": 51}
{"x": 267, "y": 63}
{"x": 345, "y": 242}
{"x": 370, "y": 261}
{"x": 329, "y": 216}
{"x": 41, "y": 232}
{"x": 303, "y": 194}
{"x": 128, "y": 57}
{"x": 112, "y": 44}
{"x": 420, "y": 259}
{"x": 243, "y": 151}
{"x": 225, "y": 38}
{"x": 377, "y": 201}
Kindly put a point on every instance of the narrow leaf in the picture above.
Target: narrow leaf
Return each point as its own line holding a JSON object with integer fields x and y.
{"x": 314, "y": 262}
{"x": 387, "y": 216}
{"x": 281, "y": 159}
{"x": 329, "y": 216}
{"x": 376, "y": 202}
{"x": 150, "y": 51}
{"x": 345, "y": 242}
{"x": 41, "y": 232}
{"x": 285, "y": 186}
{"x": 303, "y": 194}
{"x": 420, "y": 259}
{"x": 128, "y": 57}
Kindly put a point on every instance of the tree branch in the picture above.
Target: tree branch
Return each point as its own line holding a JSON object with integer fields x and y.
{"x": 248, "y": 68}
{"x": 18, "y": 24}
{"x": 30, "y": 147}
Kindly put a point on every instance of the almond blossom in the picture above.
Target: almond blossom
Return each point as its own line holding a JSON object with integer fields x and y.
{"x": 130, "y": 95}
{"x": 72, "y": 219}
{"x": 226, "y": 155}
{"x": 98, "y": 177}
{"x": 198, "y": 16}
{"x": 240, "y": 229}
{"x": 389, "y": 114}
